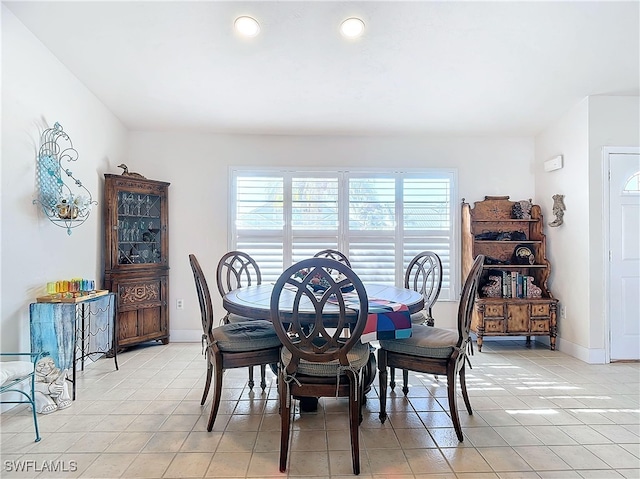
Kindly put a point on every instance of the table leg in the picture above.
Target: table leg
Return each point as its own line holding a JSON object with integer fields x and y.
{"x": 308, "y": 404}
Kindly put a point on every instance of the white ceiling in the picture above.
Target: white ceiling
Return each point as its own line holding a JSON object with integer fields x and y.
{"x": 507, "y": 68}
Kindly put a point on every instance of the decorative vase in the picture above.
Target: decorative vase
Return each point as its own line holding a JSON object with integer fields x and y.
{"x": 67, "y": 211}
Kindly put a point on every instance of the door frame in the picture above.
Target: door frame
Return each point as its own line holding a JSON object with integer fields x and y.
{"x": 607, "y": 152}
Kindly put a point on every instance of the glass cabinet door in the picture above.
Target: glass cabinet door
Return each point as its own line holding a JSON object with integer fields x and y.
{"x": 139, "y": 224}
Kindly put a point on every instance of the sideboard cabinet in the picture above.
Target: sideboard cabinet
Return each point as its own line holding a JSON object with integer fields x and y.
{"x": 513, "y": 298}
{"x": 75, "y": 331}
{"x": 136, "y": 257}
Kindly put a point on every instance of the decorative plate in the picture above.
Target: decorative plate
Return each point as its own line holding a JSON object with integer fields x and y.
{"x": 523, "y": 255}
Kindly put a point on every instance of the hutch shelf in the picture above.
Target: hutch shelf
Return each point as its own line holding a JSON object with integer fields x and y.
{"x": 136, "y": 258}
{"x": 513, "y": 296}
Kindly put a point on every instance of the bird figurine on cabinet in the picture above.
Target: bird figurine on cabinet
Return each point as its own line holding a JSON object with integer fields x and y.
{"x": 126, "y": 172}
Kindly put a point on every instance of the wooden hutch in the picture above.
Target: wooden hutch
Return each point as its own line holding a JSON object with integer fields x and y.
{"x": 513, "y": 296}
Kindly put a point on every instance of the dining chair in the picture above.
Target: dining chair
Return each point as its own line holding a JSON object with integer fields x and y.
{"x": 317, "y": 359}
{"x": 230, "y": 345}
{"x": 207, "y": 326}
{"x": 433, "y": 350}
{"x": 235, "y": 270}
{"x": 333, "y": 254}
{"x": 424, "y": 275}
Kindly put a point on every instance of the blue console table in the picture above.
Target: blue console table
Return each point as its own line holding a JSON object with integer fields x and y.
{"x": 72, "y": 332}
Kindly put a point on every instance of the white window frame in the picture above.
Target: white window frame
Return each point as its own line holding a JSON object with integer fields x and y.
{"x": 453, "y": 270}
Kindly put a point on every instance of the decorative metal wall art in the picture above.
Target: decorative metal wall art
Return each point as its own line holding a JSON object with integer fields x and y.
{"x": 558, "y": 210}
{"x": 62, "y": 197}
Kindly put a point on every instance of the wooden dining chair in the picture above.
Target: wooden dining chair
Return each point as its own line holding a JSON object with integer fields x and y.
{"x": 433, "y": 350}
{"x": 231, "y": 345}
{"x": 317, "y": 360}
{"x": 336, "y": 255}
{"x": 424, "y": 275}
{"x": 207, "y": 323}
{"x": 237, "y": 269}
{"x": 333, "y": 254}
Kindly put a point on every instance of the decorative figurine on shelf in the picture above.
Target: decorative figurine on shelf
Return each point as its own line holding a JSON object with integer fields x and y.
{"x": 493, "y": 288}
{"x": 51, "y": 389}
{"x": 532, "y": 290}
{"x": 65, "y": 210}
{"x": 558, "y": 210}
{"x": 521, "y": 210}
{"x": 126, "y": 172}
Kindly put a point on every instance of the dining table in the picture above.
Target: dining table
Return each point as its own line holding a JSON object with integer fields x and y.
{"x": 254, "y": 301}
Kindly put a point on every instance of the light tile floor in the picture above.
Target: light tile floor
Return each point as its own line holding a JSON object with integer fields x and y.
{"x": 537, "y": 414}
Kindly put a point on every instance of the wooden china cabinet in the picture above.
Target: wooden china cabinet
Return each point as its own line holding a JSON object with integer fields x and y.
{"x": 136, "y": 257}
{"x": 513, "y": 298}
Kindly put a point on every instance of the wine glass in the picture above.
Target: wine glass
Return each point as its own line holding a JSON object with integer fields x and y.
{"x": 125, "y": 203}
{"x": 139, "y": 202}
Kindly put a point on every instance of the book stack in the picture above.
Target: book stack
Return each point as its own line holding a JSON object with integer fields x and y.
{"x": 515, "y": 284}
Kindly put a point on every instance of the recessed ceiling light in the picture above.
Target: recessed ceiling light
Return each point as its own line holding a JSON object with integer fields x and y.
{"x": 247, "y": 26}
{"x": 352, "y": 27}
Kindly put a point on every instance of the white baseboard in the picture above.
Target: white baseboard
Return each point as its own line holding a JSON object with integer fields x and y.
{"x": 589, "y": 356}
{"x": 186, "y": 335}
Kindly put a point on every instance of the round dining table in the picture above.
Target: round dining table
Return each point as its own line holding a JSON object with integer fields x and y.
{"x": 255, "y": 302}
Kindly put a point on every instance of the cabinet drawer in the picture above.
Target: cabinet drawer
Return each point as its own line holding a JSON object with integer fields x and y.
{"x": 494, "y": 326}
{"x": 133, "y": 295}
{"x": 540, "y": 310}
{"x": 539, "y": 325}
{"x": 494, "y": 311}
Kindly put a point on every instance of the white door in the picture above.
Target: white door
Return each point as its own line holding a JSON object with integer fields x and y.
{"x": 624, "y": 267}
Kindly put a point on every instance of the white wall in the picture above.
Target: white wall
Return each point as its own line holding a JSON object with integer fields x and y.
{"x": 37, "y": 91}
{"x": 197, "y": 166}
{"x": 613, "y": 121}
{"x": 576, "y": 249}
{"x": 567, "y": 245}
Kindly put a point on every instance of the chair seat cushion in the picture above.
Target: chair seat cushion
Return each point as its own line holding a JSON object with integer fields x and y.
{"x": 246, "y": 336}
{"x": 426, "y": 342}
{"x": 10, "y": 370}
{"x": 420, "y": 317}
{"x": 236, "y": 318}
{"x": 358, "y": 357}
